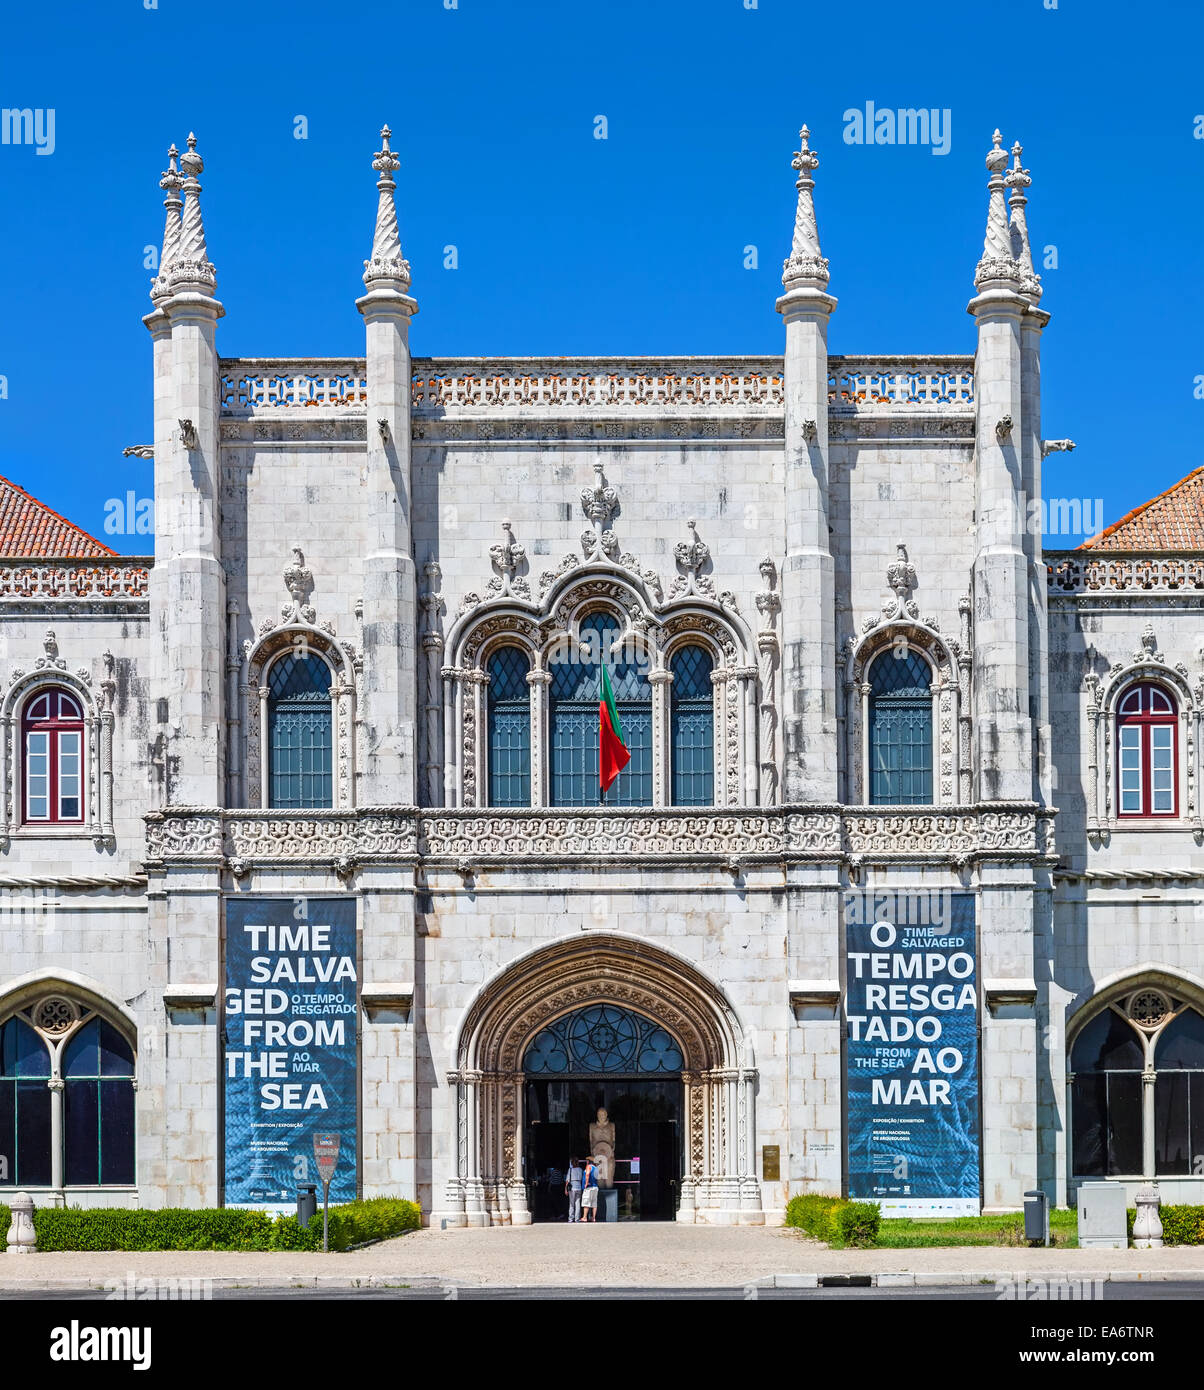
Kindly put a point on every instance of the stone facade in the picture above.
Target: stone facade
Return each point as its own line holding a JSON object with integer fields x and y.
{"x": 794, "y": 515}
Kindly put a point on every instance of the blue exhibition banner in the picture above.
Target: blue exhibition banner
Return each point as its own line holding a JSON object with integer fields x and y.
{"x": 289, "y": 1047}
{"x": 912, "y": 1075}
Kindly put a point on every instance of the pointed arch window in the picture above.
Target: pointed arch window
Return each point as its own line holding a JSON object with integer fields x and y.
{"x": 98, "y": 1107}
{"x": 1108, "y": 1060}
{"x": 24, "y": 1107}
{"x": 300, "y": 743}
{"x": 900, "y": 729}
{"x": 692, "y": 721}
{"x": 53, "y": 770}
{"x": 1147, "y": 752}
{"x": 509, "y": 728}
{"x": 575, "y": 690}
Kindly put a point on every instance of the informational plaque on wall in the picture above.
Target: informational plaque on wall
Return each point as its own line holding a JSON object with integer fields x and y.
{"x": 289, "y": 1046}
{"x": 912, "y": 1072}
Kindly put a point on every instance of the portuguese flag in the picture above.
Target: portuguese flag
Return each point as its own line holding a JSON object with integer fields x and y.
{"x": 613, "y": 754}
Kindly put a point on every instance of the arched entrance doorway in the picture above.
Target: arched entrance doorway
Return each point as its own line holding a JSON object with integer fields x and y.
{"x": 643, "y": 982}
{"x": 606, "y": 1081}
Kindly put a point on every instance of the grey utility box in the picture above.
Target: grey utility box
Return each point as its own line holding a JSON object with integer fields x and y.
{"x": 1036, "y": 1217}
{"x": 1103, "y": 1224}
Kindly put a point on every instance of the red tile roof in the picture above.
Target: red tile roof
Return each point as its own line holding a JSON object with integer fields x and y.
{"x": 29, "y": 529}
{"x": 1174, "y": 520}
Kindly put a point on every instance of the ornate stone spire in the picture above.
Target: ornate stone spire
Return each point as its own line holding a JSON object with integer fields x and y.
{"x": 997, "y": 263}
{"x": 191, "y": 266}
{"x": 171, "y": 183}
{"x": 1018, "y": 180}
{"x": 387, "y": 267}
{"x": 805, "y": 265}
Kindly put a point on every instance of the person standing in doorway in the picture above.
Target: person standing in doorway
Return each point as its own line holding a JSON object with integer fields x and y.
{"x": 589, "y": 1195}
{"x": 572, "y": 1189}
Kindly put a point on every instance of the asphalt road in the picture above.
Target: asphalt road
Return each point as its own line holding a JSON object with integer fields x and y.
{"x": 1112, "y": 1293}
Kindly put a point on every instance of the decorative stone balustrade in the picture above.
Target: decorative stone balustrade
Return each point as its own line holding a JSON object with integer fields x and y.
{"x": 1077, "y": 572}
{"x": 252, "y": 384}
{"x": 1019, "y": 832}
{"x": 860, "y": 383}
{"x": 563, "y": 386}
{"x": 99, "y": 584}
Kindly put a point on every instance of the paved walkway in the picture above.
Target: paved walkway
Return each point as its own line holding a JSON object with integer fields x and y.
{"x": 619, "y": 1255}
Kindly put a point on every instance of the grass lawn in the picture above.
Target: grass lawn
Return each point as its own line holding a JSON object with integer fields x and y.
{"x": 908, "y": 1233}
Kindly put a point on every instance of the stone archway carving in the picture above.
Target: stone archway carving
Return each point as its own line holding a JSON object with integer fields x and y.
{"x": 719, "y": 1183}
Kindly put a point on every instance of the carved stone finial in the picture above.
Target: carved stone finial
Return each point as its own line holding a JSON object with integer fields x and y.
{"x": 901, "y": 574}
{"x": 191, "y": 267}
{"x": 806, "y": 265}
{"x": 171, "y": 183}
{"x": 1148, "y": 651}
{"x": 299, "y": 582}
{"x": 998, "y": 265}
{"x": 901, "y": 579}
{"x": 507, "y": 558}
{"x": 599, "y": 502}
{"x": 1018, "y": 180}
{"x": 768, "y": 601}
{"x": 387, "y": 268}
{"x": 692, "y": 555}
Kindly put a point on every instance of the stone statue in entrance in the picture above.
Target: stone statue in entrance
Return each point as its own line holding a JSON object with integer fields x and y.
{"x": 602, "y": 1146}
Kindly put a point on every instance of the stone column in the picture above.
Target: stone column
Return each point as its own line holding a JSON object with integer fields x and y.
{"x": 1001, "y": 567}
{"x": 538, "y": 681}
{"x": 1149, "y": 1079}
{"x": 388, "y": 772}
{"x": 808, "y": 577}
{"x": 686, "y": 1206}
{"x": 661, "y": 681}
{"x": 56, "y": 1086}
{"x": 432, "y": 646}
{"x": 187, "y": 583}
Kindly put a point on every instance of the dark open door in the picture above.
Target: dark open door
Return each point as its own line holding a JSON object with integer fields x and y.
{"x": 659, "y": 1170}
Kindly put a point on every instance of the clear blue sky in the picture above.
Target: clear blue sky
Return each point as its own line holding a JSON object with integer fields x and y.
{"x": 572, "y": 245}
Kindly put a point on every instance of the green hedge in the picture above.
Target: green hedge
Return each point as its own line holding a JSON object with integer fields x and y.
{"x": 858, "y": 1222}
{"x": 354, "y": 1223}
{"x": 811, "y": 1212}
{"x": 1181, "y": 1225}
{"x": 227, "y": 1228}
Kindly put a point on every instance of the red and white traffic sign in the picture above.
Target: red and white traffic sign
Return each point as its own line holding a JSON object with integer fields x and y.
{"x": 326, "y": 1155}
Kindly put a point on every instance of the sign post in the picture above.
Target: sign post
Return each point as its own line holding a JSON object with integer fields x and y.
{"x": 326, "y": 1156}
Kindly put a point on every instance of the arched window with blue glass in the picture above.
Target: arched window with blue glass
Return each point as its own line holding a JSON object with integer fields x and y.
{"x": 602, "y": 1039}
{"x": 692, "y": 727}
{"x": 66, "y": 1098}
{"x": 900, "y": 728}
{"x": 509, "y": 698}
{"x": 98, "y": 1107}
{"x": 300, "y": 733}
{"x": 574, "y": 694}
{"x": 25, "y": 1124}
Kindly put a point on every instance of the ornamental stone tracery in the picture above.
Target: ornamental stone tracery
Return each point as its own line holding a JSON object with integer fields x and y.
{"x": 900, "y": 626}
{"x": 51, "y": 670}
{"x": 618, "y": 584}
{"x": 560, "y": 980}
{"x": 1103, "y": 693}
{"x": 295, "y": 632}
